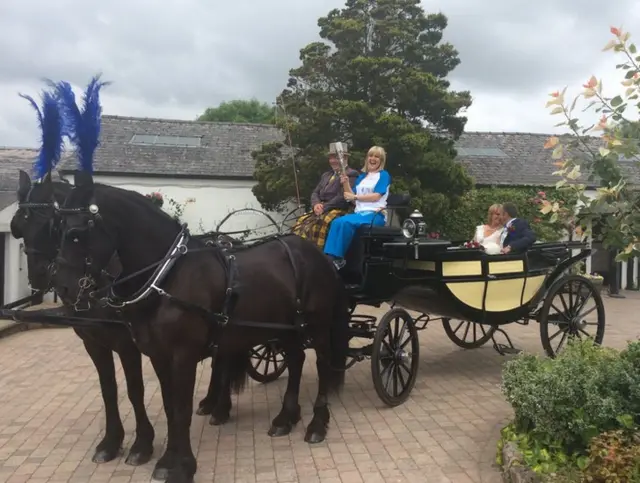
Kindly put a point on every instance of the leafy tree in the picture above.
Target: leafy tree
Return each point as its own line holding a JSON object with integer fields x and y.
{"x": 240, "y": 110}
{"x": 608, "y": 158}
{"x": 378, "y": 77}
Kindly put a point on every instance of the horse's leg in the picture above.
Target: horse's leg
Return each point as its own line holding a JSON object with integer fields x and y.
{"x": 167, "y": 461}
{"x": 111, "y": 444}
{"x": 183, "y": 380}
{"x": 206, "y": 405}
{"x": 317, "y": 429}
{"x": 142, "y": 448}
{"x": 289, "y": 415}
{"x": 221, "y": 412}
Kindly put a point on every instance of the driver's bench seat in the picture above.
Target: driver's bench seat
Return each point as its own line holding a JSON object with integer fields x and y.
{"x": 368, "y": 235}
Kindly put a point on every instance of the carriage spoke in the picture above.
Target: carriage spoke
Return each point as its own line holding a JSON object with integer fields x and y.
{"x": 403, "y": 384}
{"x": 595, "y": 307}
{"x": 586, "y": 333}
{"x": 395, "y": 380}
{"x": 466, "y": 331}
{"x": 561, "y": 331}
{"x": 564, "y": 303}
{"x": 560, "y": 312}
{"x": 582, "y": 304}
{"x": 564, "y": 337}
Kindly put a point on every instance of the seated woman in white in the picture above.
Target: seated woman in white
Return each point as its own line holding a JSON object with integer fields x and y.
{"x": 488, "y": 235}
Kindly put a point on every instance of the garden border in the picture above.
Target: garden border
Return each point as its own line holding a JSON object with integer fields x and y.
{"x": 513, "y": 469}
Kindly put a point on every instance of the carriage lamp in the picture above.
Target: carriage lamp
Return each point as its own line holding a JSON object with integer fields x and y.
{"x": 414, "y": 226}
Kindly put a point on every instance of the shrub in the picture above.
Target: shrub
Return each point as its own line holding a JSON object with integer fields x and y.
{"x": 614, "y": 457}
{"x": 570, "y": 399}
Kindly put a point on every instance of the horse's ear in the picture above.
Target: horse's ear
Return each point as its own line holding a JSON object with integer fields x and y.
{"x": 83, "y": 179}
{"x": 24, "y": 185}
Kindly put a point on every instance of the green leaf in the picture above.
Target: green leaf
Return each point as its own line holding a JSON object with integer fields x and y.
{"x": 582, "y": 462}
{"x": 632, "y": 48}
{"x": 616, "y": 101}
{"x": 626, "y": 421}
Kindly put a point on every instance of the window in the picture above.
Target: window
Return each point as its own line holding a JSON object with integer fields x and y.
{"x": 488, "y": 152}
{"x": 158, "y": 140}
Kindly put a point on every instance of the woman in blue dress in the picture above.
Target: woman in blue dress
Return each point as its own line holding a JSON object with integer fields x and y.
{"x": 370, "y": 196}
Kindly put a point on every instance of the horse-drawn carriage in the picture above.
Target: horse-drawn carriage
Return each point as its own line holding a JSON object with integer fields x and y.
{"x": 179, "y": 301}
{"x": 471, "y": 293}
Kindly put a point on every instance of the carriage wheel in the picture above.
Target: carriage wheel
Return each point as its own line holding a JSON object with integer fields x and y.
{"x": 572, "y": 307}
{"x": 468, "y": 335}
{"x": 290, "y": 219}
{"x": 395, "y": 357}
{"x": 267, "y": 363}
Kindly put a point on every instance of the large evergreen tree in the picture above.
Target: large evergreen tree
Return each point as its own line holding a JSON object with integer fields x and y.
{"x": 240, "y": 110}
{"x": 378, "y": 77}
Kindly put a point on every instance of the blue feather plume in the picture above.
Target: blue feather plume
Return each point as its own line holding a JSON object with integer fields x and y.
{"x": 51, "y": 123}
{"x": 82, "y": 126}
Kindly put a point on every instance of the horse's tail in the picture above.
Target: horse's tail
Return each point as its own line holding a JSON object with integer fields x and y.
{"x": 339, "y": 338}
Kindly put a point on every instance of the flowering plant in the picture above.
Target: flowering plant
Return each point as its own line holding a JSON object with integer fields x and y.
{"x": 156, "y": 198}
{"x": 597, "y": 151}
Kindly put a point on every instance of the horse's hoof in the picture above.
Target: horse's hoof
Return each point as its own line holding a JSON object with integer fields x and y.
{"x": 277, "y": 431}
{"x": 106, "y": 455}
{"x": 160, "y": 474}
{"x": 139, "y": 457}
{"x": 217, "y": 420}
{"x": 314, "y": 437}
{"x": 203, "y": 410}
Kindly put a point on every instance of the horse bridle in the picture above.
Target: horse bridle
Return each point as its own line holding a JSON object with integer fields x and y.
{"x": 34, "y": 208}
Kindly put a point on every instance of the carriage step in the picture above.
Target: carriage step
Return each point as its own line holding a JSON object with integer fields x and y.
{"x": 503, "y": 349}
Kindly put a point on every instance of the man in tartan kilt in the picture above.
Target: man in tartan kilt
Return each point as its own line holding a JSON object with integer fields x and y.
{"x": 327, "y": 201}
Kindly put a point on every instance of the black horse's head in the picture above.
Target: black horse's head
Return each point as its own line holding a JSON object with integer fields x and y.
{"x": 37, "y": 223}
{"x": 87, "y": 244}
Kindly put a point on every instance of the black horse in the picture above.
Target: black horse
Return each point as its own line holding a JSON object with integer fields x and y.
{"x": 184, "y": 299}
{"x": 37, "y": 224}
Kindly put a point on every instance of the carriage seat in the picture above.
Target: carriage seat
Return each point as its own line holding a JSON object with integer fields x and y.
{"x": 393, "y": 223}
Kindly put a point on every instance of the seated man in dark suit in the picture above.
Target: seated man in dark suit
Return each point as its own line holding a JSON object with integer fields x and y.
{"x": 517, "y": 235}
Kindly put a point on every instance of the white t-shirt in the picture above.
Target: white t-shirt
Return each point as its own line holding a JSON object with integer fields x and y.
{"x": 372, "y": 183}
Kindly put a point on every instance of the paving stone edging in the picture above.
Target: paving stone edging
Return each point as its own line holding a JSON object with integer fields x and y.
{"x": 513, "y": 470}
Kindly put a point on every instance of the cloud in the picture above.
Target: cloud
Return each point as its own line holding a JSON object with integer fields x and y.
{"x": 175, "y": 58}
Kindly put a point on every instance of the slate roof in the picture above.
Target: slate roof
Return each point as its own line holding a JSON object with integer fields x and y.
{"x": 12, "y": 160}
{"x": 225, "y": 152}
{"x": 525, "y": 161}
{"x": 225, "y": 148}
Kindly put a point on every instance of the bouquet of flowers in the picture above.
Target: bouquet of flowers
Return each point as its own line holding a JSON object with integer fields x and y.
{"x": 472, "y": 244}
{"x": 156, "y": 198}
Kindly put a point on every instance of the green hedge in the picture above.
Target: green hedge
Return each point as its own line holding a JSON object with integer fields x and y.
{"x": 461, "y": 223}
{"x": 567, "y": 409}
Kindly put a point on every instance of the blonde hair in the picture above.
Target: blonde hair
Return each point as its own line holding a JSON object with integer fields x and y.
{"x": 492, "y": 209}
{"x": 378, "y": 152}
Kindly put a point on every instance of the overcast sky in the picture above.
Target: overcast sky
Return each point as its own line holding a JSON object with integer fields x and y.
{"x": 176, "y": 57}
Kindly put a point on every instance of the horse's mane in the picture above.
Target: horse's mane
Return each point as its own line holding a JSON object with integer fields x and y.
{"x": 139, "y": 199}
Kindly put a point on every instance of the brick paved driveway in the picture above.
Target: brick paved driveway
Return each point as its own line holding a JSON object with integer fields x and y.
{"x": 51, "y": 417}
